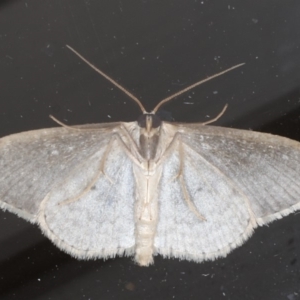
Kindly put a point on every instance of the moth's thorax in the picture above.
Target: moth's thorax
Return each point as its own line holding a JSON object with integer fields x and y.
{"x": 149, "y": 135}
{"x": 148, "y": 144}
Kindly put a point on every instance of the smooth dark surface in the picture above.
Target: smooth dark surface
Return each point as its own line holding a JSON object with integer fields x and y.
{"x": 153, "y": 48}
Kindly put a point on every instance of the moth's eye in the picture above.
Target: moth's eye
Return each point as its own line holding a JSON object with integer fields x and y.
{"x": 156, "y": 121}
{"x": 142, "y": 121}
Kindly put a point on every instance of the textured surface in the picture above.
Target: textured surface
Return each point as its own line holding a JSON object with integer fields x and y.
{"x": 236, "y": 179}
{"x": 181, "y": 41}
{"x": 100, "y": 223}
{"x": 94, "y": 194}
{"x": 31, "y": 163}
{"x": 264, "y": 167}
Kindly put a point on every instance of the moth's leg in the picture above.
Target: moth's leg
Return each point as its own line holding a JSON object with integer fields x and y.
{"x": 180, "y": 176}
{"x": 132, "y": 151}
{"x": 101, "y": 170}
{"x": 130, "y": 147}
{"x": 177, "y": 145}
{"x": 96, "y": 177}
{"x": 230, "y": 183}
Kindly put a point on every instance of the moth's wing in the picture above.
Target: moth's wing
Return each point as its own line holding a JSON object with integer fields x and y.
{"x": 265, "y": 167}
{"x": 33, "y": 162}
{"x": 235, "y": 179}
{"x": 91, "y": 213}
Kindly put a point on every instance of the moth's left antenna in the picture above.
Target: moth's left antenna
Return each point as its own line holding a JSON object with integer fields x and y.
{"x": 110, "y": 79}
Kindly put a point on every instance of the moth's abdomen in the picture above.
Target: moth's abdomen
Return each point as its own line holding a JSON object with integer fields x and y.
{"x": 145, "y": 232}
{"x": 146, "y": 214}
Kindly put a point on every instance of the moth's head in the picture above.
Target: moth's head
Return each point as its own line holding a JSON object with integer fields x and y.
{"x": 148, "y": 122}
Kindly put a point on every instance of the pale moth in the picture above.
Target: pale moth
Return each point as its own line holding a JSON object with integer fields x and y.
{"x": 149, "y": 187}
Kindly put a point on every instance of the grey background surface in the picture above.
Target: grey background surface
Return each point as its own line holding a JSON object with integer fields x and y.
{"x": 153, "y": 48}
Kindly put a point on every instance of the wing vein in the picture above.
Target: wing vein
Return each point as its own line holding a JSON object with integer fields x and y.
{"x": 230, "y": 182}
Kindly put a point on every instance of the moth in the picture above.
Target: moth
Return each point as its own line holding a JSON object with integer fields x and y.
{"x": 149, "y": 187}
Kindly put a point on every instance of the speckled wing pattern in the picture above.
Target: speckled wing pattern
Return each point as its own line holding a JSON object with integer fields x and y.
{"x": 41, "y": 169}
{"x": 236, "y": 179}
{"x": 213, "y": 186}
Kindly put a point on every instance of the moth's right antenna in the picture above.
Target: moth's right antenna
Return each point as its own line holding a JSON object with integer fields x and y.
{"x": 192, "y": 86}
{"x": 110, "y": 79}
